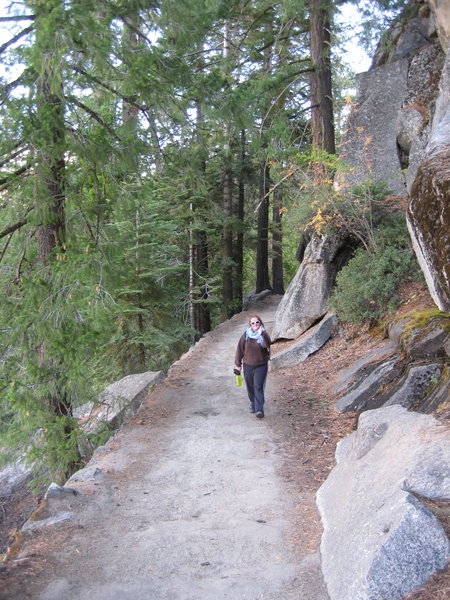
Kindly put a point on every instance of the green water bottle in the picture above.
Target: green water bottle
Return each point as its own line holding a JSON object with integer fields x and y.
{"x": 238, "y": 377}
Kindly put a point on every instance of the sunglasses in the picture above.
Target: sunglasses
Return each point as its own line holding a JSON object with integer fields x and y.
{"x": 255, "y": 322}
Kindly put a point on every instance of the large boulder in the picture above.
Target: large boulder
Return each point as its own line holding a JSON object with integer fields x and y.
{"x": 305, "y": 300}
{"x": 429, "y": 208}
{"x": 379, "y": 541}
{"x": 429, "y": 223}
{"x": 312, "y": 341}
{"x": 117, "y": 402}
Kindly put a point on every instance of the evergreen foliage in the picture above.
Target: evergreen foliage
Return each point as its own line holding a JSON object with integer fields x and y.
{"x": 123, "y": 124}
{"x": 366, "y": 287}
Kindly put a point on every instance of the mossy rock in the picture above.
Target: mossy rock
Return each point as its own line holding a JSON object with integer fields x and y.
{"x": 438, "y": 397}
{"x": 422, "y": 334}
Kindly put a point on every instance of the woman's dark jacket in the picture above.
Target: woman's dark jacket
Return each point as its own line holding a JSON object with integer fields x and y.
{"x": 251, "y": 352}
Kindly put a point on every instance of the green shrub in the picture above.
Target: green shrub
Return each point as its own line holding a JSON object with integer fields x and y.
{"x": 366, "y": 286}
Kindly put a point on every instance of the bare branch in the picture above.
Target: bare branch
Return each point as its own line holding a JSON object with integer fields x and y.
{"x": 19, "y": 266}
{"x": 16, "y": 38}
{"x": 12, "y": 228}
{"x": 108, "y": 87}
{"x": 17, "y": 18}
{"x": 13, "y": 155}
{"x": 274, "y": 103}
{"x": 272, "y": 189}
{"x": 7, "y": 180}
{"x": 5, "y": 247}
{"x": 11, "y": 85}
{"x": 95, "y": 116}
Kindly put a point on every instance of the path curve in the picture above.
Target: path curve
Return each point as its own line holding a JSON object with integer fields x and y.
{"x": 185, "y": 504}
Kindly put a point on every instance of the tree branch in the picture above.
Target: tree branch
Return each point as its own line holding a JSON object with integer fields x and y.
{"x": 7, "y": 179}
{"x": 17, "y": 37}
{"x": 109, "y": 88}
{"x": 95, "y": 116}
{"x": 9, "y": 86}
{"x": 277, "y": 185}
{"x": 12, "y": 228}
{"x": 13, "y": 155}
{"x": 18, "y": 18}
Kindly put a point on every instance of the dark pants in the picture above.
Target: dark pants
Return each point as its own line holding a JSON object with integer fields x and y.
{"x": 255, "y": 380}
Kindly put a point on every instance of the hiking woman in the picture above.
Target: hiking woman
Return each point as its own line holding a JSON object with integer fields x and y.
{"x": 253, "y": 351}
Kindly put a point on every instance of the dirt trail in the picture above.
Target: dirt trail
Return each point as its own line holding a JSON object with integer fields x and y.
{"x": 187, "y": 503}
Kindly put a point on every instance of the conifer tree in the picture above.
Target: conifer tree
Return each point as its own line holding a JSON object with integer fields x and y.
{"x": 137, "y": 149}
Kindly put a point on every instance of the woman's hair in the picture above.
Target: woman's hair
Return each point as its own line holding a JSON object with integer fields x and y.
{"x": 257, "y": 318}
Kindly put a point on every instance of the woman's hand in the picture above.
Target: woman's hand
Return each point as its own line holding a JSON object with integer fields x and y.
{"x": 238, "y": 368}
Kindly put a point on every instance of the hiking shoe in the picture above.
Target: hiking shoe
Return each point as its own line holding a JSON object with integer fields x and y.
{"x": 259, "y": 415}
{"x": 252, "y": 409}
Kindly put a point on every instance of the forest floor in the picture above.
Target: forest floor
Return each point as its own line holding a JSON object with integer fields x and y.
{"x": 303, "y": 427}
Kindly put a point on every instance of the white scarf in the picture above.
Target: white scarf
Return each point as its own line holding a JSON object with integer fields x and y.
{"x": 254, "y": 335}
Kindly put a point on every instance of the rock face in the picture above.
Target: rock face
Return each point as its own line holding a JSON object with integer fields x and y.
{"x": 429, "y": 208}
{"x": 389, "y": 126}
{"x": 379, "y": 541}
{"x": 399, "y": 132}
{"x": 392, "y": 542}
{"x": 369, "y": 147}
{"x": 364, "y": 393}
{"x": 305, "y": 301}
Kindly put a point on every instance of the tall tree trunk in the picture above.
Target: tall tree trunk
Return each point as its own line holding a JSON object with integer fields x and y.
{"x": 262, "y": 247}
{"x": 322, "y": 119}
{"x": 277, "y": 246}
{"x": 227, "y": 201}
{"x": 49, "y": 148}
{"x": 200, "y": 316}
{"x": 239, "y": 243}
{"x": 130, "y": 39}
{"x": 198, "y": 291}
{"x": 50, "y": 161}
{"x": 227, "y": 196}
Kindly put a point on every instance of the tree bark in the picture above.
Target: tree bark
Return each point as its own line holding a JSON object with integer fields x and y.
{"x": 50, "y": 170}
{"x": 227, "y": 285}
{"x": 50, "y": 185}
{"x": 199, "y": 312}
{"x": 130, "y": 113}
{"x": 227, "y": 203}
{"x": 239, "y": 242}
{"x": 322, "y": 118}
{"x": 262, "y": 248}
{"x": 277, "y": 246}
